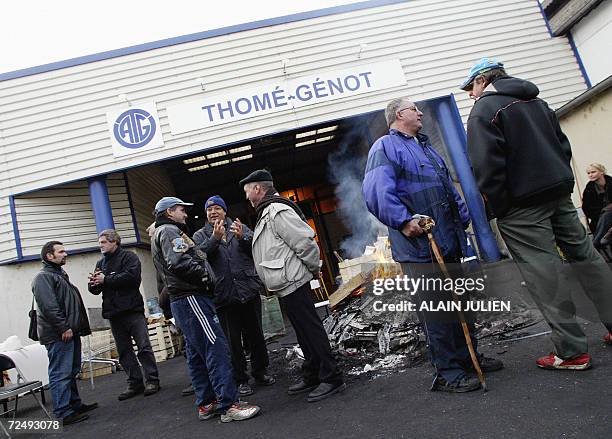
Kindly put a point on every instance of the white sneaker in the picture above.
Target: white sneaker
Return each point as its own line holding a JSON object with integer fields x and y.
{"x": 239, "y": 411}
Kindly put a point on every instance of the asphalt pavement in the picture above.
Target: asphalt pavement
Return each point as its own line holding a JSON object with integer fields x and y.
{"x": 522, "y": 402}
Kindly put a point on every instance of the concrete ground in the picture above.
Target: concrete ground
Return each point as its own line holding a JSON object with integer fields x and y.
{"x": 522, "y": 402}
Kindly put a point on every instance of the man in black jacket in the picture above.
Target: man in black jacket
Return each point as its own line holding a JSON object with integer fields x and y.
{"x": 117, "y": 277}
{"x": 62, "y": 320}
{"x": 227, "y": 245}
{"x": 521, "y": 159}
{"x": 190, "y": 284}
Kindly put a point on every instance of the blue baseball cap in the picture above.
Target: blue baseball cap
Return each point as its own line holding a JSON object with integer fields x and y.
{"x": 168, "y": 202}
{"x": 483, "y": 65}
{"x": 215, "y": 200}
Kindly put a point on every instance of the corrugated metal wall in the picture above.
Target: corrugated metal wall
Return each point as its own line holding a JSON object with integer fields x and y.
{"x": 147, "y": 186}
{"x": 54, "y": 127}
{"x": 64, "y": 213}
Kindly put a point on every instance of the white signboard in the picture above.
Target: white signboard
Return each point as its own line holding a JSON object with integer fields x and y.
{"x": 284, "y": 95}
{"x": 134, "y": 129}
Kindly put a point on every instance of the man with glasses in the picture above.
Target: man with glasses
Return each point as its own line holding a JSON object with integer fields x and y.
{"x": 404, "y": 177}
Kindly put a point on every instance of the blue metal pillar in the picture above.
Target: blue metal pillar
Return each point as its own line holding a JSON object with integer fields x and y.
{"x": 453, "y": 132}
{"x": 100, "y": 203}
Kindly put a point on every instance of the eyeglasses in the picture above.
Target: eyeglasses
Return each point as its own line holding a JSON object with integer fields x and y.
{"x": 413, "y": 108}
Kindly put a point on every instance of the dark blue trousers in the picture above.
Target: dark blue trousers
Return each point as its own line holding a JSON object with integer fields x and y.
{"x": 208, "y": 355}
{"x": 448, "y": 351}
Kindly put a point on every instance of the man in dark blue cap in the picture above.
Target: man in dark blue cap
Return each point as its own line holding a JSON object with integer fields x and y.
{"x": 227, "y": 245}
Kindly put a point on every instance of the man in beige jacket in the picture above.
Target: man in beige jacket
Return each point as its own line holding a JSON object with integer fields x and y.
{"x": 287, "y": 258}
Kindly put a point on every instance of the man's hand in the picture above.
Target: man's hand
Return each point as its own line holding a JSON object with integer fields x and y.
{"x": 218, "y": 230}
{"x": 67, "y": 335}
{"x": 412, "y": 229}
{"x": 236, "y": 228}
{"x": 97, "y": 278}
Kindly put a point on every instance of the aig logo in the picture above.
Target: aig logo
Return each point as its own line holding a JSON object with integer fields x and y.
{"x": 134, "y": 128}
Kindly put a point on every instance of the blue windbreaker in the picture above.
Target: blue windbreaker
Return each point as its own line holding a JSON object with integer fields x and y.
{"x": 401, "y": 181}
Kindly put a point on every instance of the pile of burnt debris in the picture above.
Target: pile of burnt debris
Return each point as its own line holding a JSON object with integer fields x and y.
{"x": 375, "y": 341}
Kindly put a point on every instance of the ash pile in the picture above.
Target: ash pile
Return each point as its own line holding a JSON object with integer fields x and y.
{"x": 370, "y": 340}
{"x": 376, "y": 342}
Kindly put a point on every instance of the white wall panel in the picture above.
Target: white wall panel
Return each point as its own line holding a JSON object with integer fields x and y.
{"x": 593, "y": 39}
{"x": 64, "y": 213}
{"x": 54, "y": 127}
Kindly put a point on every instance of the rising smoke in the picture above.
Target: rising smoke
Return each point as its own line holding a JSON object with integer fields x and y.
{"x": 346, "y": 169}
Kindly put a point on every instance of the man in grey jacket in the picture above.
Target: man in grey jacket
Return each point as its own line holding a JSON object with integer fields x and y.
{"x": 62, "y": 320}
{"x": 287, "y": 259}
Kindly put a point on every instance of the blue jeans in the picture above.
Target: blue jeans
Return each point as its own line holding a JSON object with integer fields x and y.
{"x": 64, "y": 366}
{"x": 208, "y": 355}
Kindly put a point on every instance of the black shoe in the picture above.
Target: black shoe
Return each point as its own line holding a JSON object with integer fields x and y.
{"x": 130, "y": 392}
{"x": 301, "y": 386}
{"x": 324, "y": 390}
{"x": 74, "y": 418}
{"x": 245, "y": 390}
{"x": 151, "y": 388}
{"x": 486, "y": 364}
{"x": 84, "y": 408}
{"x": 264, "y": 380}
{"x": 462, "y": 385}
{"x": 188, "y": 391}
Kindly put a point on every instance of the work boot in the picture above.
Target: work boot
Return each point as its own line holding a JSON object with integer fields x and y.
{"x": 324, "y": 390}
{"x": 608, "y": 338}
{"x": 551, "y": 361}
{"x": 188, "y": 390}
{"x": 239, "y": 411}
{"x": 151, "y": 388}
{"x": 461, "y": 385}
{"x": 130, "y": 392}
{"x": 487, "y": 364}
{"x": 74, "y": 418}
{"x": 208, "y": 411}
{"x": 301, "y": 386}
{"x": 264, "y": 380}
{"x": 245, "y": 390}
{"x": 84, "y": 408}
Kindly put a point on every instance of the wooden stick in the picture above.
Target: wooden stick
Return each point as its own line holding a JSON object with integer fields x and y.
{"x": 466, "y": 333}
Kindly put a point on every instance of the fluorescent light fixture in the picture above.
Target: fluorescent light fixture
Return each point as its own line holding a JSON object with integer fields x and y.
{"x": 307, "y": 142}
{"x": 240, "y": 149}
{"x": 327, "y": 129}
{"x": 198, "y": 168}
{"x": 220, "y": 163}
{"x": 324, "y": 139}
{"x": 305, "y": 134}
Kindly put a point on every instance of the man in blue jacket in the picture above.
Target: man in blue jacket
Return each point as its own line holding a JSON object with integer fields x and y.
{"x": 404, "y": 177}
{"x": 227, "y": 245}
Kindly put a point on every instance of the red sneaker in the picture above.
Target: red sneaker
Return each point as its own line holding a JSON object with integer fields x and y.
{"x": 608, "y": 338}
{"x": 207, "y": 411}
{"x": 551, "y": 361}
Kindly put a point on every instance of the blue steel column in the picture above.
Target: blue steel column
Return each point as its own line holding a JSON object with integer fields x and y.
{"x": 100, "y": 203}
{"x": 455, "y": 139}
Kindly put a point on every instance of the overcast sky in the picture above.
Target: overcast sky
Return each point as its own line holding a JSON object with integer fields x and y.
{"x": 36, "y": 32}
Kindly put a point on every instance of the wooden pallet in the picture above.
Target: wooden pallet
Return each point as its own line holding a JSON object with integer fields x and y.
{"x": 164, "y": 344}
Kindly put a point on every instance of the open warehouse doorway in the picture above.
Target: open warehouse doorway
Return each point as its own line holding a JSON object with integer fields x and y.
{"x": 320, "y": 167}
